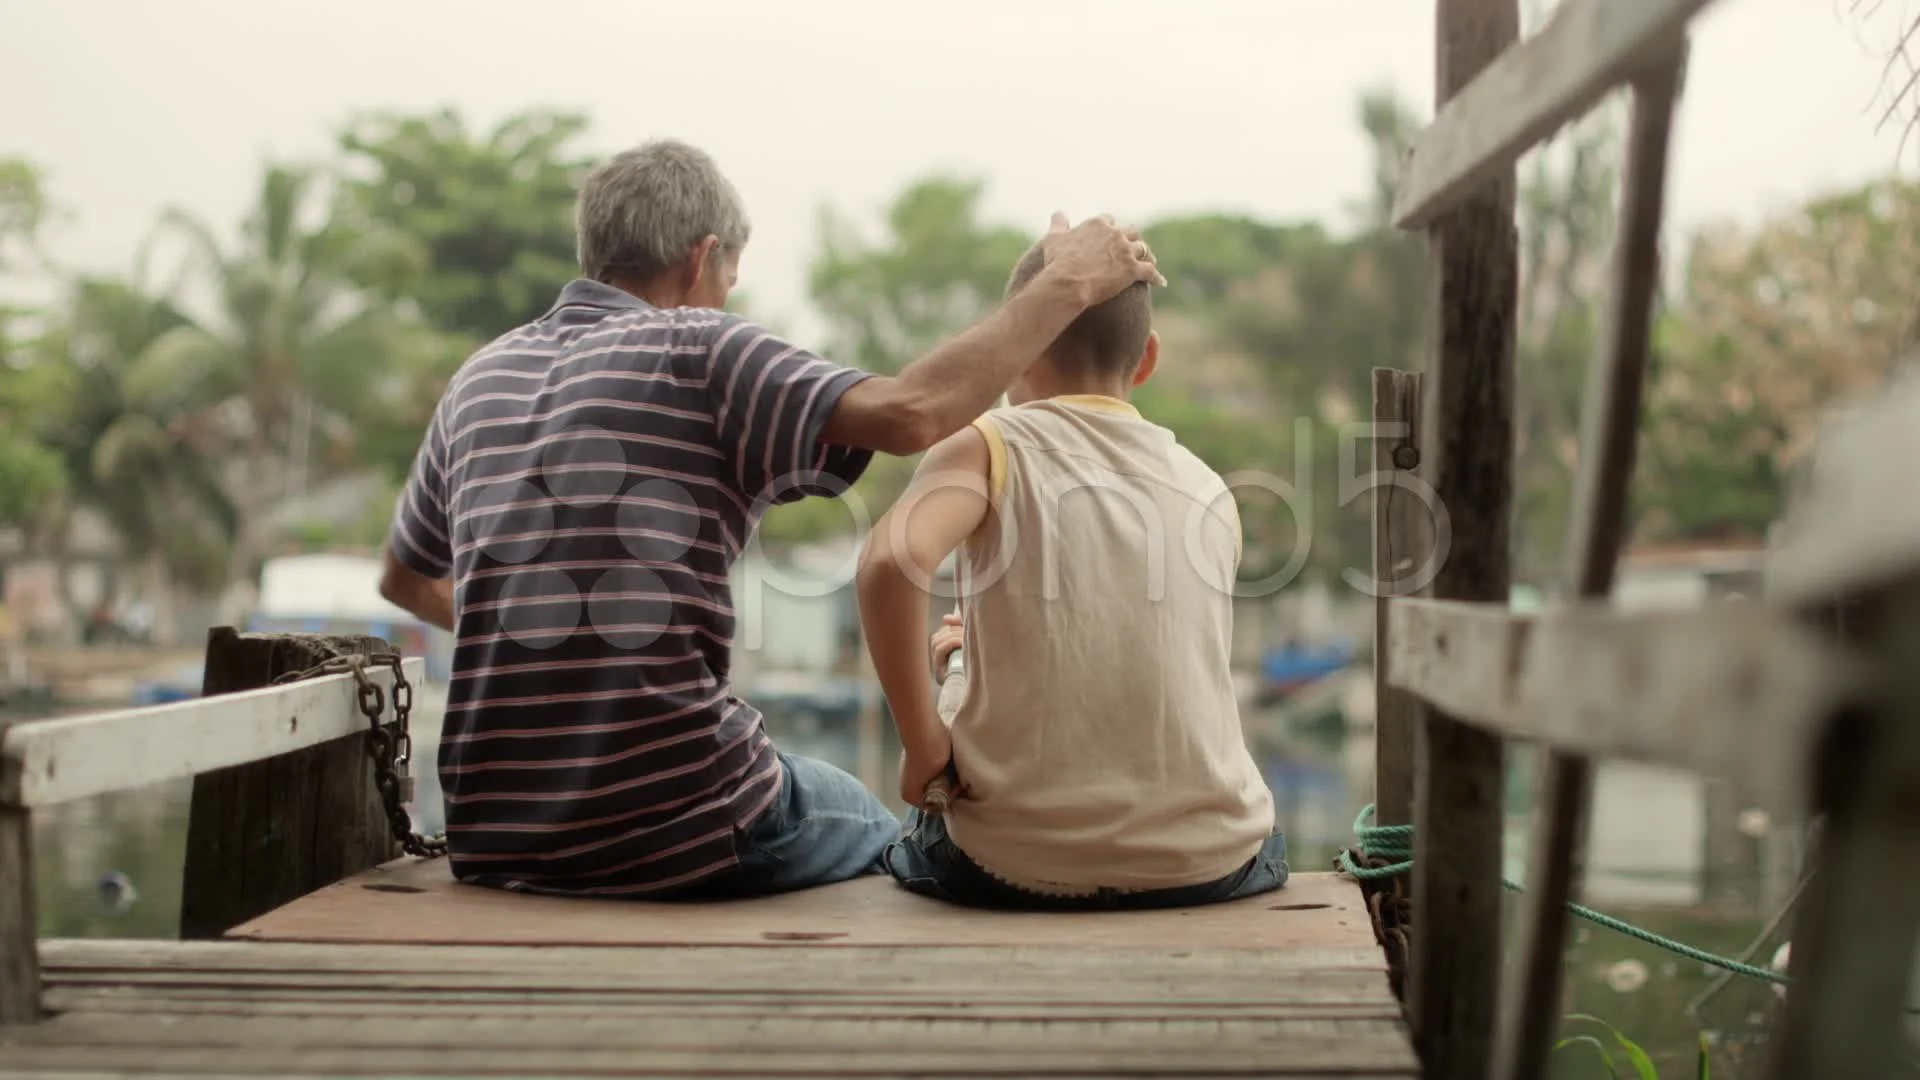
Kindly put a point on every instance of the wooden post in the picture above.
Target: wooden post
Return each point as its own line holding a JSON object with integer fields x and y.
{"x": 19, "y": 919}
{"x": 1402, "y": 544}
{"x": 265, "y": 833}
{"x": 1856, "y": 927}
{"x": 1459, "y": 778}
{"x": 1610, "y": 421}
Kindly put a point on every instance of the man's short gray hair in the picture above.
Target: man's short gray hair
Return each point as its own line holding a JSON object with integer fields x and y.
{"x": 641, "y": 212}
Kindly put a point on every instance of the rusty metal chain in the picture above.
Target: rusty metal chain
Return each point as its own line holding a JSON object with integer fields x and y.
{"x": 1390, "y": 910}
{"x": 389, "y": 746}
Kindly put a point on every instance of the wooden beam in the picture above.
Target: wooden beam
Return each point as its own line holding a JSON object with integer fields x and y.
{"x": 1856, "y": 927}
{"x": 283, "y": 820}
{"x": 1588, "y": 48}
{"x": 1460, "y": 770}
{"x": 19, "y": 918}
{"x": 1402, "y": 547}
{"x": 1733, "y": 689}
{"x": 77, "y": 757}
{"x": 1610, "y": 421}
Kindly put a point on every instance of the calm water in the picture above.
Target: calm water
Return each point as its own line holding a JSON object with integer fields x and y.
{"x": 1644, "y": 853}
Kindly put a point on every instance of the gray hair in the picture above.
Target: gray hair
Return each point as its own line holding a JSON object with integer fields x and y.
{"x": 642, "y": 211}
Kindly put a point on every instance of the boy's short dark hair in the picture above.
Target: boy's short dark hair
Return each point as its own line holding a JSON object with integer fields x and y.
{"x": 1108, "y": 338}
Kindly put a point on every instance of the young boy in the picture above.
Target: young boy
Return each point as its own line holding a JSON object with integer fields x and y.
{"x": 1095, "y": 751}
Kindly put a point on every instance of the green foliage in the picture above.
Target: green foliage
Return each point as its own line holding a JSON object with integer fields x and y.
{"x": 1632, "y": 1052}
{"x": 485, "y": 218}
{"x": 139, "y": 449}
{"x": 23, "y": 210}
{"x": 1642, "y": 1064}
{"x": 31, "y": 477}
{"x": 1212, "y": 259}
{"x": 935, "y": 270}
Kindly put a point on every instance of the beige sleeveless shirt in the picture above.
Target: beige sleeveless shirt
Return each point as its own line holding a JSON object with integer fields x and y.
{"x": 1097, "y": 732}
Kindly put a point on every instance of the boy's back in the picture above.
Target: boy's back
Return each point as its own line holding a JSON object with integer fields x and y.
{"x": 1099, "y": 738}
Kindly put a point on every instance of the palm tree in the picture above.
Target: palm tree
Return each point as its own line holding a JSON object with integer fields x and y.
{"x": 139, "y": 453}
{"x": 289, "y": 350}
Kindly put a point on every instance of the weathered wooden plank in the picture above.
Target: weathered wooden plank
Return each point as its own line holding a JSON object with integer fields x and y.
{"x": 1851, "y": 528}
{"x": 442, "y": 1003}
{"x": 1725, "y": 690}
{"x": 1459, "y": 775}
{"x": 1531, "y": 1007}
{"x": 1402, "y": 550}
{"x": 272, "y": 828}
{"x": 1209, "y": 974}
{"x": 76, "y": 757}
{"x": 19, "y": 920}
{"x": 1586, "y": 49}
{"x": 770, "y": 1045}
{"x": 194, "y": 1064}
{"x": 410, "y": 901}
{"x": 1857, "y": 926}
{"x": 1058, "y": 983}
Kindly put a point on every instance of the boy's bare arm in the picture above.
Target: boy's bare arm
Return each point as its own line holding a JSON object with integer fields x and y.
{"x": 946, "y": 502}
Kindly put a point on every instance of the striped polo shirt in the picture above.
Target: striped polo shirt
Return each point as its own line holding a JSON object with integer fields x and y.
{"x": 587, "y": 480}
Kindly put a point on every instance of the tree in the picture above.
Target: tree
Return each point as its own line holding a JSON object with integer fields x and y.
{"x": 139, "y": 452}
{"x": 291, "y": 352}
{"x": 31, "y": 476}
{"x": 936, "y": 270}
{"x": 486, "y": 216}
{"x": 24, "y": 210}
{"x": 1312, "y": 314}
{"x": 1771, "y": 328}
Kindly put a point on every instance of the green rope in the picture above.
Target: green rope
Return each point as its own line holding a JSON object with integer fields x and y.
{"x": 1396, "y": 842}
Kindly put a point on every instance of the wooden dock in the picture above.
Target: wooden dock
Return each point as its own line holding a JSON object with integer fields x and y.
{"x": 310, "y": 950}
{"x": 401, "y": 972}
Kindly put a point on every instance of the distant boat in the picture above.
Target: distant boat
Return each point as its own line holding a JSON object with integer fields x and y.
{"x": 1290, "y": 668}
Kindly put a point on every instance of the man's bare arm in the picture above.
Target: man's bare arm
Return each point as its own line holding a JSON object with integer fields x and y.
{"x": 428, "y": 599}
{"x": 944, "y": 391}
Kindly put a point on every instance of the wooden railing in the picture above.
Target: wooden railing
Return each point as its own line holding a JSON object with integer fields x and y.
{"x": 1806, "y": 717}
{"x": 284, "y": 800}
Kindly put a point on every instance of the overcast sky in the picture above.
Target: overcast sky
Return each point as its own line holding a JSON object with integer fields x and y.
{"x": 1141, "y": 108}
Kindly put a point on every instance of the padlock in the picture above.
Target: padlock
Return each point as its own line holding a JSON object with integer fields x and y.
{"x": 403, "y": 781}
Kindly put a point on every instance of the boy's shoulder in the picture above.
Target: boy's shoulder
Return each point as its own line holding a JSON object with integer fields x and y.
{"x": 1200, "y": 476}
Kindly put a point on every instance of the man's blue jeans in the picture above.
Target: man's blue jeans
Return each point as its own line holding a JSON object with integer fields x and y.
{"x": 823, "y": 827}
{"x": 926, "y": 860}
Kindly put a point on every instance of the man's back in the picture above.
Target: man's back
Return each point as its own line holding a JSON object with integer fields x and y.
{"x": 1100, "y": 738}
{"x": 593, "y": 476}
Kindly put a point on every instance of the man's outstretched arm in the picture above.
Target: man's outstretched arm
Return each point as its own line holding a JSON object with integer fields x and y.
{"x": 946, "y": 502}
{"x": 942, "y": 392}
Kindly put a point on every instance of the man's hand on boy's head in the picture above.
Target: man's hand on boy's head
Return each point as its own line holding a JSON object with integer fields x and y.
{"x": 1098, "y": 257}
